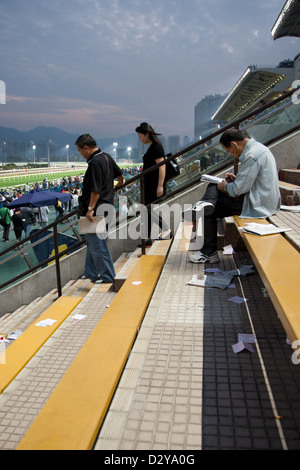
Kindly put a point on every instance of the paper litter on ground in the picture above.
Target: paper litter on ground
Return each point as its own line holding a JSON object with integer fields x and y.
{"x": 219, "y": 278}
{"x": 238, "y": 300}
{"x": 240, "y": 346}
{"x": 246, "y": 337}
{"x": 14, "y": 335}
{"x": 78, "y": 316}
{"x": 47, "y": 322}
{"x": 228, "y": 250}
{"x": 245, "y": 341}
{"x": 203, "y": 280}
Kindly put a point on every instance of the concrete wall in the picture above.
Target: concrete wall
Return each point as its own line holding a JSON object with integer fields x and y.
{"x": 286, "y": 152}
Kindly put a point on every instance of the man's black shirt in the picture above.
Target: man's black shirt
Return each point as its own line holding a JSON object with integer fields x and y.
{"x": 99, "y": 177}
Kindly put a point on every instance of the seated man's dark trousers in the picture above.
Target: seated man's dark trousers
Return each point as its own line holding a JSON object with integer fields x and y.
{"x": 225, "y": 206}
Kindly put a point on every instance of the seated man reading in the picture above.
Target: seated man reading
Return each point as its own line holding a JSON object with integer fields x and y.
{"x": 252, "y": 193}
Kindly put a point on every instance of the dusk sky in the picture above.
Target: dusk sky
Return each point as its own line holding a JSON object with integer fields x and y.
{"x": 104, "y": 66}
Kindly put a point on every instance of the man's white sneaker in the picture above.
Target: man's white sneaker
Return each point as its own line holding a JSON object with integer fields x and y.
{"x": 199, "y": 257}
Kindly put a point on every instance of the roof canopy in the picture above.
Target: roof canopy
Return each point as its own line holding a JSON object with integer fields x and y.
{"x": 288, "y": 21}
{"x": 253, "y": 84}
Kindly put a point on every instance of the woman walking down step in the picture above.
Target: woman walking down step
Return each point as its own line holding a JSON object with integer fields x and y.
{"x": 155, "y": 185}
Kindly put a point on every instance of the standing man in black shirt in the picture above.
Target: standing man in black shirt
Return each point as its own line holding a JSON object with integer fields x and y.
{"x": 97, "y": 189}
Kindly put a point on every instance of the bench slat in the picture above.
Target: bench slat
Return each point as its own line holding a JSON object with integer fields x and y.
{"x": 72, "y": 416}
{"x": 278, "y": 264}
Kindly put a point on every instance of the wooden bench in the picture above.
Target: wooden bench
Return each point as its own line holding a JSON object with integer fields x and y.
{"x": 71, "y": 418}
{"x": 19, "y": 353}
{"x": 278, "y": 264}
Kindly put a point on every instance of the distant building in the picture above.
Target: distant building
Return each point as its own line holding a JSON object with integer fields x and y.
{"x": 173, "y": 143}
{"x": 204, "y": 111}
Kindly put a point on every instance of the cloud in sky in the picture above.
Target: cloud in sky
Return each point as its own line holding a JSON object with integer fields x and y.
{"x": 105, "y": 65}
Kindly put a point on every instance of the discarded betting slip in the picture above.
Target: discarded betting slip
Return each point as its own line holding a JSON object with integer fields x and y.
{"x": 218, "y": 278}
{"x": 238, "y": 300}
{"x": 47, "y": 322}
{"x": 228, "y": 250}
{"x": 245, "y": 341}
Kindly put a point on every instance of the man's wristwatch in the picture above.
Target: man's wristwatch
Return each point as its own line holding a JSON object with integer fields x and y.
{"x": 90, "y": 208}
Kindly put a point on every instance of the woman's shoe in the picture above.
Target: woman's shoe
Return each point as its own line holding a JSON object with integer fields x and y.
{"x": 148, "y": 242}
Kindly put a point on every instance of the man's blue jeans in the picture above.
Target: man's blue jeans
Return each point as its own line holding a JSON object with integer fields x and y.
{"x": 98, "y": 261}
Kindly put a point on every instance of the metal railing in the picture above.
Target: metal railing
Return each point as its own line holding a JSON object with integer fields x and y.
{"x": 54, "y": 258}
{"x": 141, "y": 178}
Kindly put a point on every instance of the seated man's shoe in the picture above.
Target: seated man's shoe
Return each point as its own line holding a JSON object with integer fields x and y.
{"x": 200, "y": 257}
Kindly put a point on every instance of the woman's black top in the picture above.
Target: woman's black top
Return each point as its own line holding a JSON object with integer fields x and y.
{"x": 154, "y": 152}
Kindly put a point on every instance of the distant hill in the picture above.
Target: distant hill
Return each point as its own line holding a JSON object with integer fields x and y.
{"x": 39, "y": 135}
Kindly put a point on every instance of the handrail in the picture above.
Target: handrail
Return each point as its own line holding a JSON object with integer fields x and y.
{"x": 56, "y": 257}
{"x": 236, "y": 124}
{"x": 203, "y": 140}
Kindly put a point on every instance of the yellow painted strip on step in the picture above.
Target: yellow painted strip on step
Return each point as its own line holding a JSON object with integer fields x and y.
{"x": 19, "y": 353}
{"x": 72, "y": 417}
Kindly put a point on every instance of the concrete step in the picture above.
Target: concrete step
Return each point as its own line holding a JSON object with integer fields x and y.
{"x": 290, "y": 193}
{"x": 159, "y": 247}
{"x": 290, "y": 176}
{"x": 20, "y": 318}
{"x": 25, "y": 315}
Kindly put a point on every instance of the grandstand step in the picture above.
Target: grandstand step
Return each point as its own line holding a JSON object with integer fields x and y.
{"x": 126, "y": 268}
{"x": 290, "y": 175}
{"x": 230, "y": 235}
{"x": 73, "y": 414}
{"x": 19, "y": 353}
{"x": 289, "y": 220}
{"x": 22, "y": 317}
{"x": 290, "y": 193}
{"x": 159, "y": 247}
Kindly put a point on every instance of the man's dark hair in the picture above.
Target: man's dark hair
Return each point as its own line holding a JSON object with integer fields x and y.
{"x": 232, "y": 135}
{"x": 86, "y": 140}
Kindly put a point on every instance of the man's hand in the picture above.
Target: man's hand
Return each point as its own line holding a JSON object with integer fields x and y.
{"x": 223, "y": 186}
{"x": 230, "y": 177}
{"x": 89, "y": 215}
{"x": 159, "y": 191}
